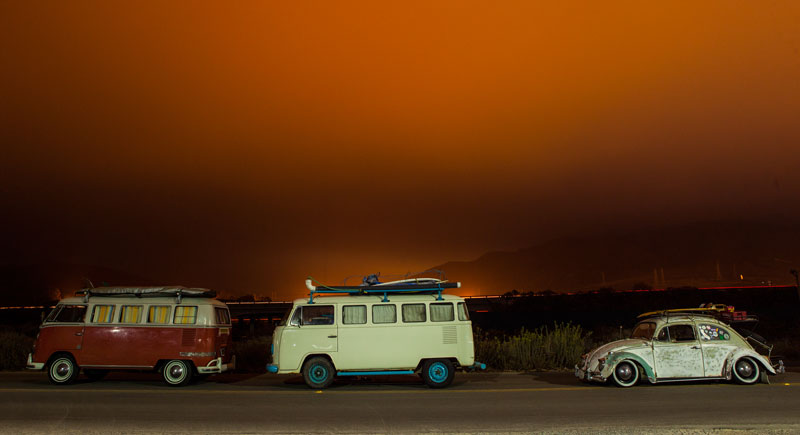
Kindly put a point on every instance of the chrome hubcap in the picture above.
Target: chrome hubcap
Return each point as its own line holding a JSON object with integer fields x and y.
{"x": 62, "y": 369}
{"x": 624, "y": 372}
{"x": 176, "y": 371}
{"x": 745, "y": 369}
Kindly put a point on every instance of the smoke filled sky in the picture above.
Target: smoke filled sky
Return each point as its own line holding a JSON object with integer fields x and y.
{"x": 243, "y": 146}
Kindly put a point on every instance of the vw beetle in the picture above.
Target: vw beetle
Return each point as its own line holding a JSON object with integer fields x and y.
{"x": 670, "y": 348}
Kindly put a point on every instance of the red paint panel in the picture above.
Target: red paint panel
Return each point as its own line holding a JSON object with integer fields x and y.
{"x": 53, "y": 339}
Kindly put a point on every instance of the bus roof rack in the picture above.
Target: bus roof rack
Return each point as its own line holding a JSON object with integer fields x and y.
{"x": 405, "y": 286}
{"x": 164, "y": 291}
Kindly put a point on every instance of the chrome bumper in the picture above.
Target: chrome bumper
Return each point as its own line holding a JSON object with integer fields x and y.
{"x": 216, "y": 366}
{"x": 33, "y": 365}
{"x": 588, "y": 376}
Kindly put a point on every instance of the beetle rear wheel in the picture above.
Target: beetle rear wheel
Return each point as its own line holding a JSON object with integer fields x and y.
{"x": 318, "y": 373}
{"x": 746, "y": 371}
{"x": 626, "y": 374}
{"x": 177, "y": 373}
{"x": 438, "y": 373}
{"x": 63, "y": 370}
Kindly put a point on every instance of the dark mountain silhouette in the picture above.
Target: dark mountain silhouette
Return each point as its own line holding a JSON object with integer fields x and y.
{"x": 708, "y": 254}
{"x": 42, "y": 283}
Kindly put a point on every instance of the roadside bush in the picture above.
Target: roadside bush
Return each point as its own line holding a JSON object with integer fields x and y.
{"x": 253, "y": 355}
{"x": 541, "y": 349}
{"x": 14, "y": 349}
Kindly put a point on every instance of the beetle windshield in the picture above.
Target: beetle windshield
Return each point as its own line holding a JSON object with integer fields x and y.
{"x": 644, "y": 330}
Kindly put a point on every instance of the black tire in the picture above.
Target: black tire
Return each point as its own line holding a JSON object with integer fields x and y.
{"x": 438, "y": 373}
{"x": 177, "y": 373}
{"x": 95, "y": 374}
{"x": 746, "y": 371}
{"x": 63, "y": 370}
{"x": 318, "y": 373}
{"x": 626, "y": 374}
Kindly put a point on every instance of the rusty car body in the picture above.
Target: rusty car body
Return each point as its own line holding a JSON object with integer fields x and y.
{"x": 683, "y": 347}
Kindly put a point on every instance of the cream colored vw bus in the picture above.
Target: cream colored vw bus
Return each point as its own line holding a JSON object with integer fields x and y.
{"x": 428, "y": 333}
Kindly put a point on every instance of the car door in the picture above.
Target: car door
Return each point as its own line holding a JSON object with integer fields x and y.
{"x": 677, "y": 352}
{"x": 312, "y": 330}
{"x": 716, "y": 343}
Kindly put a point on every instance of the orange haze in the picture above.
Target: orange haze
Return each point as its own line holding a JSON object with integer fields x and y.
{"x": 245, "y": 145}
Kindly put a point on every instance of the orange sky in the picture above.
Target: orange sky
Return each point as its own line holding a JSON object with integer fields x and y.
{"x": 245, "y": 146}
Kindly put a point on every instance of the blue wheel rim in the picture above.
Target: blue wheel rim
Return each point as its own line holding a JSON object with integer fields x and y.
{"x": 318, "y": 373}
{"x": 437, "y": 372}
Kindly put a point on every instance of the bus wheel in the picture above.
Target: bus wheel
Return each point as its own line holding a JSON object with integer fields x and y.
{"x": 63, "y": 370}
{"x": 318, "y": 373}
{"x": 176, "y": 373}
{"x": 438, "y": 373}
{"x": 95, "y": 374}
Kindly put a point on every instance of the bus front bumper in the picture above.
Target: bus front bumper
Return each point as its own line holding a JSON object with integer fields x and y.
{"x": 33, "y": 365}
{"x": 216, "y": 366}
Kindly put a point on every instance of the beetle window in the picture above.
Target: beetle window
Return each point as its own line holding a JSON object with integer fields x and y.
{"x": 130, "y": 314}
{"x": 713, "y": 333}
{"x": 185, "y": 315}
{"x": 681, "y": 333}
{"x": 68, "y": 314}
{"x": 663, "y": 335}
{"x": 354, "y": 314}
{"x": 158, "y": 314}
{"x": 463, "y": 314}
{"x": 317, "y": 315}
{"x": 442, "y": 312}
{"x": 223, "y": 316}
{"x": 384, "y": 313}
{"x": 644, "y": 330}
{"x": 413, "y": 313}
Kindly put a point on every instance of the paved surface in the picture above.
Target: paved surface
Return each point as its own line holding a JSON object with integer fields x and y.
{"x": 481, "y": 402}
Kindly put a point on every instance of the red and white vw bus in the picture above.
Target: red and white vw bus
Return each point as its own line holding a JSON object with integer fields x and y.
{"x": 177, "y": 331}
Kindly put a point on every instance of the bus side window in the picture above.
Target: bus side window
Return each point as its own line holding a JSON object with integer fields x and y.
{"x": 442, "y": 312}
{"x": 130, "y": 314}
{"x": 354, "y": 314}
{"x": 102, "y": 314}
{"x": 413, "y": 313}
{"x": 463, "y": 314}
{"x": 185, "y": 315}
{"x": 384, "y": 313}
{"x": 223, "y": 316}
{"x": 158, "y": 314}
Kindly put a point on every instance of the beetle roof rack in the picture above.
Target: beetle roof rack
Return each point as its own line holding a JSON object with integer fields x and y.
{"x": 723, "y": 312}
{"x": 165, "y": 291}
{"x": 405, "y": 286}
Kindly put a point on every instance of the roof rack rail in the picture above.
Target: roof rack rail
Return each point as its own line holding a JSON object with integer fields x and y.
{"x": 165, "y": 291}
{"x": 405, "y": 286}
{"x": 723, "y": 312}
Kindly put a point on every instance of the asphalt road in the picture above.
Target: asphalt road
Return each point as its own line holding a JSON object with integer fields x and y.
{"x": 480, "y": 402}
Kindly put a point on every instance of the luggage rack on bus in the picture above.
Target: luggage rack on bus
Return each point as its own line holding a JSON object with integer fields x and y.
{"x": 179, "y": 292}
{"x": 405, "y": 286}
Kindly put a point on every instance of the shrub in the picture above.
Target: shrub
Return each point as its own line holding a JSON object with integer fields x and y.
{"x": 14, "y": 349}
{"x": 541, "y": 349}
{"x": 253, "y": 355}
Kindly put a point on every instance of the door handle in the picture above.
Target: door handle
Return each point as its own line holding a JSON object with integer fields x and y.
{"x": 79, "y": 334}
{"x": 331, "y": 336}
{"x": 695, "y": 347}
